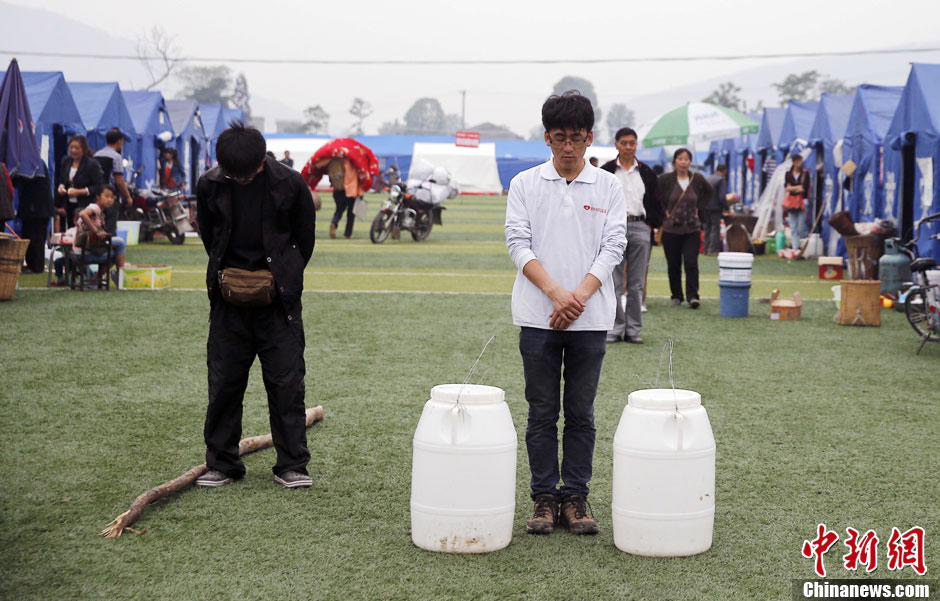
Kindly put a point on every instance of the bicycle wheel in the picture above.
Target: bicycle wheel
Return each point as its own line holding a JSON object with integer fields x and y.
{"x": 917, "y": 309}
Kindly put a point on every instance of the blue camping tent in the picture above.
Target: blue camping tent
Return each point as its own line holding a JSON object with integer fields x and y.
{"x": 214, "y": 125}
{"x": 914, "y": 139}
{"x": 734, "y": 153}
{"x": 653, "y": 156}
{"x": 102, "y": 107}
{"x": 872, "y": 111}
{"x": 54, "y": 114}
{"x": 515, "y": 156}
{"x": 827, "y": 131}
{"x": 154, "y": 131}
{"x": 767, "y": 144}
{"x": 191, "y": 141}
{"x": 797, "y": 122}
{"x": 18, "y": 148}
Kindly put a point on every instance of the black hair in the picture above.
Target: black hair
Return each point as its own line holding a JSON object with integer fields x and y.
{"x": 721, "y": 167}
{"x": 795, "y": 156}
{"x": 113, "y": 136}
{"x": 679, "y": 151}
{"x": 107, "y": 187}
{"x": 240, "y": 150}
{"x": 570, "y": 110}
{"x": 83, "y": 142}
{"x": 625, "y": 131}
{"x": 268, "y": 153}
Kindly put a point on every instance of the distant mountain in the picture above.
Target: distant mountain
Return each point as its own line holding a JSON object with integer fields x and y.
{"x": 756, "y": 82}
{"x": 21, "y": 27}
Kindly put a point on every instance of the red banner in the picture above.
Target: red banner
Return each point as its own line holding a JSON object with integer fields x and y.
{"x": 470, "y": 139}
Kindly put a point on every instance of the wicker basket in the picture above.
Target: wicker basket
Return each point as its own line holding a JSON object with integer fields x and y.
{"x": 863, "y": 253}
{"x": 12, "y": 253}
{"x": 860, "y": 304}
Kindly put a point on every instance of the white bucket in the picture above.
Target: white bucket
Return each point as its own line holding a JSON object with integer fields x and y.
{"x": 463, "y": 474}
{"x": 735, "y": 267}
{"x": 132, "y": 228}
{"x": 664, "y": 475}
{"x": 933, "y": 277}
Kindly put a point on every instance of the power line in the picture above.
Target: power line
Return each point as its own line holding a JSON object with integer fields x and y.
{"x": 564, "y": 61}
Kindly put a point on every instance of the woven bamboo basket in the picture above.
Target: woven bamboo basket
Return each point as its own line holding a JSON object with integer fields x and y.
{"x": 12, "y": 253}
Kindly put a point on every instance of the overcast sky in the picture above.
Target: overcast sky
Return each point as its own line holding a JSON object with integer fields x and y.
{"x": 485, "y": 29}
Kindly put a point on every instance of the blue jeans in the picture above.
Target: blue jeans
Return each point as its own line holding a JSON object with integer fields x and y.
{"x": 546, "y": 356}
{"x": 117, "y": 250}
{"x": 797, "y": 222}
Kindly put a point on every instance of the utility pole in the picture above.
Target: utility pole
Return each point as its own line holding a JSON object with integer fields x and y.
{"x": 463, "y": 109}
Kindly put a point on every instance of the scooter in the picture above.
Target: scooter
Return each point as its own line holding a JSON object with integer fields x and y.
{"x": 402, "y": 211}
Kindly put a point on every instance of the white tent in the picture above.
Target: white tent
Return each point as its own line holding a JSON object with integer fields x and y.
{"x": 474, "y": 169}
{"x": 301, "y": 147}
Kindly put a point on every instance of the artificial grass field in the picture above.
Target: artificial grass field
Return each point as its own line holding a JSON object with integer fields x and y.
{"x": 104, "y": 397}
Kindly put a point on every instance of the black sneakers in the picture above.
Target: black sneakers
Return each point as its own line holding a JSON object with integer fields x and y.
{"x": 292, "y": 479}
{"x": 213, "y": 479}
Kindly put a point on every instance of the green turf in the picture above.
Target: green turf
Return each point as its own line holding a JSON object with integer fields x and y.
{"x": 104, "y": 397}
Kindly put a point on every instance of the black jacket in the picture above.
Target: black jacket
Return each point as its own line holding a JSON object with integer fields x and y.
{"x": 88, "y": 176}
{"x": 36, "y": 200}
{"x": 288, "y": 223}
{"x": 651, "y": 202}
{"x": 697, "y": 182}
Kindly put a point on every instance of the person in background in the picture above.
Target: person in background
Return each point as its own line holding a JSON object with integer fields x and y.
{"x": 111, "y": 160}
{"x": 91, "y": 235}
{"x": 717, "y": 205}
{"x": 684, "y": 195}
{"x": 79, "y": 179}
{"x": 346, "y": 189}
{"x": 796, "y": 184}
{"x": 35, "y": 209}
{"x": 287, "y": 160}
{"x": 593, "y": 161}
{"x": 565, "y": 231}
{"x": 644, "y": 212}
{"x": 172, "y": 175}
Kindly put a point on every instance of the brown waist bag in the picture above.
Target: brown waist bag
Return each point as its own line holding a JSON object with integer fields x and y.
{"x": 244, "y": 288}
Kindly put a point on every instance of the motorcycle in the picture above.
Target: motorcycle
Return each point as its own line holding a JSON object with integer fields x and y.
{"x": 402, "y": 211}
{"x": 164, "y": 211}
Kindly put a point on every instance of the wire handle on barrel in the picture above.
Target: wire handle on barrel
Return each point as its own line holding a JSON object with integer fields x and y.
{"x": 473, "y": 367}
{"x": 670, "y": 347}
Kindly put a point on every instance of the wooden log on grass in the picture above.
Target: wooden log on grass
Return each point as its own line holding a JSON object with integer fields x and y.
{"x": 247, "y": 445}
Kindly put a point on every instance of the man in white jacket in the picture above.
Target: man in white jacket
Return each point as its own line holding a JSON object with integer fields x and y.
{"x": 566, "y": 231}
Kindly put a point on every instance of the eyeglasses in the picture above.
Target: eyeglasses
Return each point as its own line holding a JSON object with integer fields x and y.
{"x": 575, "y": 140}
{"x": 244, "y": 180}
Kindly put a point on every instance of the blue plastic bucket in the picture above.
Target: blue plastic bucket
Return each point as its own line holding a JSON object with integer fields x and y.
{"x": 734, "y": 298}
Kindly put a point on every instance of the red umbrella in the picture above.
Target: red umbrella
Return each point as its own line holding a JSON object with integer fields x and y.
{"x": 360, "y": 157}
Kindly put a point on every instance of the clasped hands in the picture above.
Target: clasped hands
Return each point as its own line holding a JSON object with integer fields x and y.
{"x": 567, "y": 306}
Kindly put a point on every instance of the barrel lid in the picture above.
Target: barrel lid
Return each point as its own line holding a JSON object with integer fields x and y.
{"x": 737, "y": 256}
{"x": 471, "y": 394}
{"x": 664, "y": 399}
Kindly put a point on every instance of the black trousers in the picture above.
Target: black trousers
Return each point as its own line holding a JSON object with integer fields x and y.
{"x": 35, "y": 230}
{"x": 712, "y": 226}
{"x": 344, "y": 204}
{"x": 236, "y": 336}
{"x": 682, "y": 251}
{"x": 547, "y": 355}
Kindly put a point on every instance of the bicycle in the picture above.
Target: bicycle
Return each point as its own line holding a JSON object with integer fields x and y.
{"x": 922, "y": 303}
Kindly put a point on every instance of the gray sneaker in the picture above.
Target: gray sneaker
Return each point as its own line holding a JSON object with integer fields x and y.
{"x": 292, "y": 479}
{"x": 213, "y": 479}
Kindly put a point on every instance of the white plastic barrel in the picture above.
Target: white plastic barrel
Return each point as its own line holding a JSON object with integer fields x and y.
{"x": 463, "y": 473}
{"x": 735, "y": 267}
{"x": 664, "y": 475}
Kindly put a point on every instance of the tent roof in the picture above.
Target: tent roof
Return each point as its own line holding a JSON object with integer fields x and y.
{"x": 524, "y": 149}
{"x": 19, "y": 149}
{"x": 102, "y": 106}
{"x": 212, "y": 119}
{"x": 148, "y": 111}
{"x": 386, "y": 146}
{"x": 872, "y": 111}
{"x": 797, "y": 122}
{"x": 831, "y": 118}
{"x": 185, "y": 117}
{"x": 918, "y": 109}
{"x": 770, "y": 125}
{"x": 229, "y": 115}
{"x": 50, "y": 100}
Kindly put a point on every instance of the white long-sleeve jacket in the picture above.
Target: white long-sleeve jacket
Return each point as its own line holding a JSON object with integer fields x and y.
{"x": 572, "y": 229}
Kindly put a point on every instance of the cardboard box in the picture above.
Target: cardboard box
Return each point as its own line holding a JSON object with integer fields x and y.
{"x": 830, "y": 268}
{"x": 147, "y": 277}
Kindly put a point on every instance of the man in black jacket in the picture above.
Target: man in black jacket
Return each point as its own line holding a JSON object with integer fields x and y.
{"x": 644, "y": 211}
{"x": 255, "y": 215}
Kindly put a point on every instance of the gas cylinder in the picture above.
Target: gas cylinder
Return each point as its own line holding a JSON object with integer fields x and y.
{"x": 894, "y": 268}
